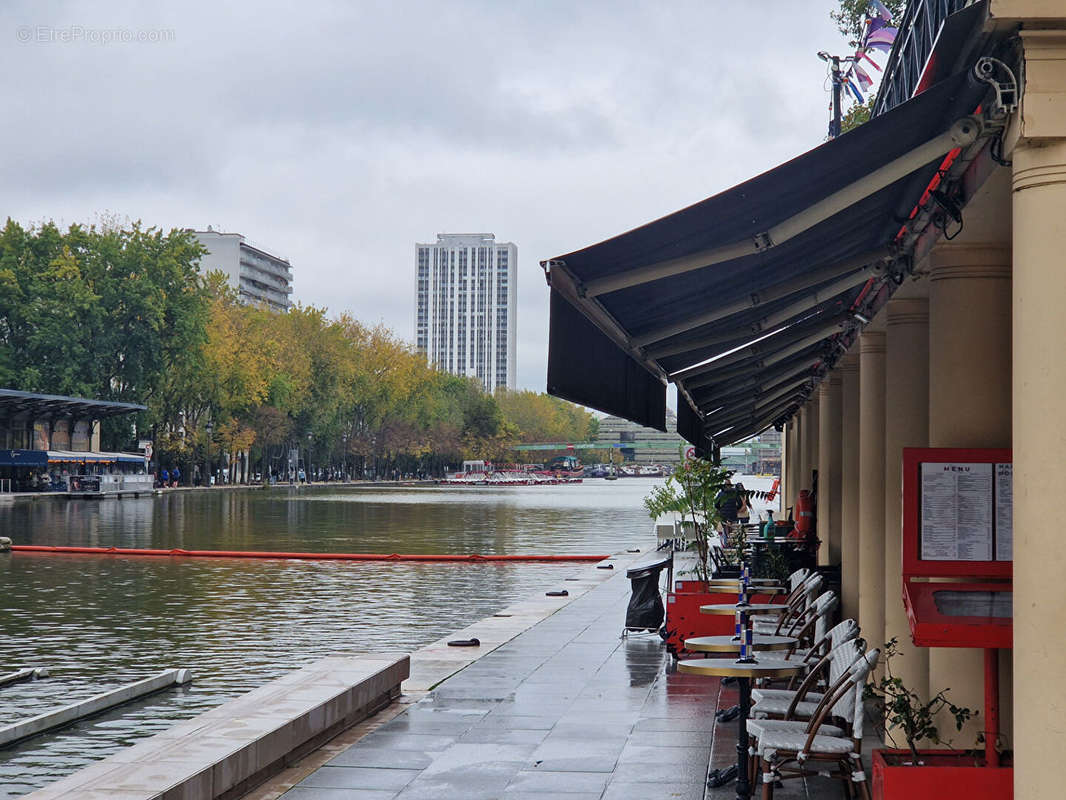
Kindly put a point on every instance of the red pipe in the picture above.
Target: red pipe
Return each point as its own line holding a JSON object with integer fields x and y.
{"x": 129, "y": 551}
{"x": 991, "y": 706}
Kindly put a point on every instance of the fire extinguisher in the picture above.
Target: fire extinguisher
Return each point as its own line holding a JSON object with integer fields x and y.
{"x": 804, "y": 516}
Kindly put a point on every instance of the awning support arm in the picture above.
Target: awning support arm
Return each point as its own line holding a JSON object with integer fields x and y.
{"x": 961, "y": 134}
{"x": 875, "y": 261}
{"x": 771, "y": 321}
{"x": 758, "y": 382}
{"x": 769, "y": 353}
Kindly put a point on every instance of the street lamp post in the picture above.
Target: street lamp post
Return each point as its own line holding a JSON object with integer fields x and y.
{"x": 210, "y": 428}
{"x": 837, "y": 79}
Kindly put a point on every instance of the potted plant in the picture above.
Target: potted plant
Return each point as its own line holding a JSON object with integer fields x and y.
{"x": 691, "y": 492}
{"x": 917, "y": 774}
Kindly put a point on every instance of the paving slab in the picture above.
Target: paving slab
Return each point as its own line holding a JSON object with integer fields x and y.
{"x": 560, "y": 710}
{"x": 564, "y": 708}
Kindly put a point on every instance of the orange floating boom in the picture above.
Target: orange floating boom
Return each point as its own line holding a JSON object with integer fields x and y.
{"x": 130, "y": 551}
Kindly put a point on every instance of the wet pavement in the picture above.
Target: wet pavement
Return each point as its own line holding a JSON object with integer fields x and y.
{"x": 567, "y": 709}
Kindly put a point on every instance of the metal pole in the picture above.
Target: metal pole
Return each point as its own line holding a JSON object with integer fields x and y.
{"x": 834, "y": 124}
{"x": 991, "y": 706}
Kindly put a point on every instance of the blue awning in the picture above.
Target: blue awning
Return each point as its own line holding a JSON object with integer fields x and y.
{"x": 23, "y": 458}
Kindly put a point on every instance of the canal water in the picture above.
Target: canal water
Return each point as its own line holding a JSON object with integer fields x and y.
{"x": 101, "y": 621}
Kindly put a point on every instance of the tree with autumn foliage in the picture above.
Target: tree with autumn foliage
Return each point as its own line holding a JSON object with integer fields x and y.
{"x": 122, "y": 313}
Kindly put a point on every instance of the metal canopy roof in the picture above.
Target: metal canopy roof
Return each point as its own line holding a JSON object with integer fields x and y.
{"x": 13, "y": 403}
{"x": 747, "y": 298}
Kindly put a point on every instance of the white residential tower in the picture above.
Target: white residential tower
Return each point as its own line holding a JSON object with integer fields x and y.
{"x": 465, "y": 295}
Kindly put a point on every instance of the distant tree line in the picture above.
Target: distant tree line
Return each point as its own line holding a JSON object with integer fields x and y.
{"x": 122, "y": 313}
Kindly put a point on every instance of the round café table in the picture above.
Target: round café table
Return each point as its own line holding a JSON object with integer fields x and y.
{"x": 730, "y": 609}
{"x": 753, "y": 587}
{"x": 744, "y": 673}
{"x": 731, "y": 644}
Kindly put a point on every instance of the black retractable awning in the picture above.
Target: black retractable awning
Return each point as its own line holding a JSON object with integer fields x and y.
{"x": 747, "y": 298}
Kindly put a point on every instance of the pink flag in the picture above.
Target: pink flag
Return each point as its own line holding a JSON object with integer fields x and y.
{"x": 865, "y": 81}
{"x": 883, "y": 36}
{"x": 870, "y": 60}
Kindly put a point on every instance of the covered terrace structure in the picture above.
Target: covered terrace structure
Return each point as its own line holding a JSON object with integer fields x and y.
{"x": 44, "y": 437}
{"x": 900, "y": 286}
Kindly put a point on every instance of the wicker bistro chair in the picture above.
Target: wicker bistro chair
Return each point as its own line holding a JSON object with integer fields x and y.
{"x": 841, "y": 632}
{"x": 791, "y": 710}
{"x": 787, "y": 754}
{"x": 799, "y": 602}
{"x": 803, "y": 622}
{"x": 803, "y": 703}
{"x": 815, "y": 624}
{"x": 797, "y": 577}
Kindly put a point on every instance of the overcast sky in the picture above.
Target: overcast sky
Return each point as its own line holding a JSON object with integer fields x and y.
{"x": 338, "y": 134}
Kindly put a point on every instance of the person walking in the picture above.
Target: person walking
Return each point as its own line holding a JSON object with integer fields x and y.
{"x": 164, "y": 478}
{"x": 743, "y": 505}
{"x": 727, "y": 503}
{"x": 175, "y": 477}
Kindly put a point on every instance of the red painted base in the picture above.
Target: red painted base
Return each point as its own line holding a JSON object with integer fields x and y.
{"x": 684, "y": 620}
{"x": 943, "y": 773}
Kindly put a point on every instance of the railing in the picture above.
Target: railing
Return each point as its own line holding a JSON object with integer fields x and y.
{"x": 914, "y": 42}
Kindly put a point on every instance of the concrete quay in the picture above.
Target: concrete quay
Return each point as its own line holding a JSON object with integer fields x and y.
{"x": 224, "y": 752}
{"x": 296, "y": 719}
{"x": 566, "y": 709}
{"x": 553, "y": 704}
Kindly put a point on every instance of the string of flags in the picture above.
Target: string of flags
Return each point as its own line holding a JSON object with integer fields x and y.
{"x": 877, "y": 36}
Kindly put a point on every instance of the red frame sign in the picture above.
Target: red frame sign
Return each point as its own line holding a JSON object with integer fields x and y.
{"x": 929, "y": 627}
{"x": 913, "y": 564}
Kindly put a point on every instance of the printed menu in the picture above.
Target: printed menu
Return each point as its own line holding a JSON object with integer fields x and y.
{"x": 956, "y": 508}
{"x": 1004, "y": 512}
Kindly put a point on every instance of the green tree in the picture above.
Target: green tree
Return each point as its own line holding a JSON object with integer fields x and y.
{"x": 851, "y": 22}
{"x": 98, "y": 312}
{"x": 857, "y": 115}
{"x": 851, "y": 17}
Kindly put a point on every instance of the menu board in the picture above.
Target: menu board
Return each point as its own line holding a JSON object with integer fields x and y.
{"x": 1004, "y": 512}
{"x": 957, "y": 511}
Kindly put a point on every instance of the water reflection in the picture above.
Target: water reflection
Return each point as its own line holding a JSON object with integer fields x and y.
{"x": 98, "y": 622}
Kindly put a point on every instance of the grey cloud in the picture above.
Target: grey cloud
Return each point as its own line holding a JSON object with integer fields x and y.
{"x": 340, "y": 133}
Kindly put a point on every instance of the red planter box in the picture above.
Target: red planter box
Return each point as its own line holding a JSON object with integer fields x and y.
{"x": 684, "y": 620}
{"x": 943, "y": 773}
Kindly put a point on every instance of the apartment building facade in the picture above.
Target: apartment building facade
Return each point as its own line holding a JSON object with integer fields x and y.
{"x": 465, "y": 297}
{"x": 260, "y": 277}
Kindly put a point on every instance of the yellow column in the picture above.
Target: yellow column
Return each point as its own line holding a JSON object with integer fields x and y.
{"x": 969, "y": 406}
{"x": 829, "y": 469}
{"x": 787, "y": 453}
{"x": 906, "y": 425}
{"x": 872, "y": 486}
{"x": 849, "y": 484}
{"x": 808, "y": 445}
{"x": 1039, "y": 437}
{"x": 789, "y": 491}
{"x": 811, "y": 457}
